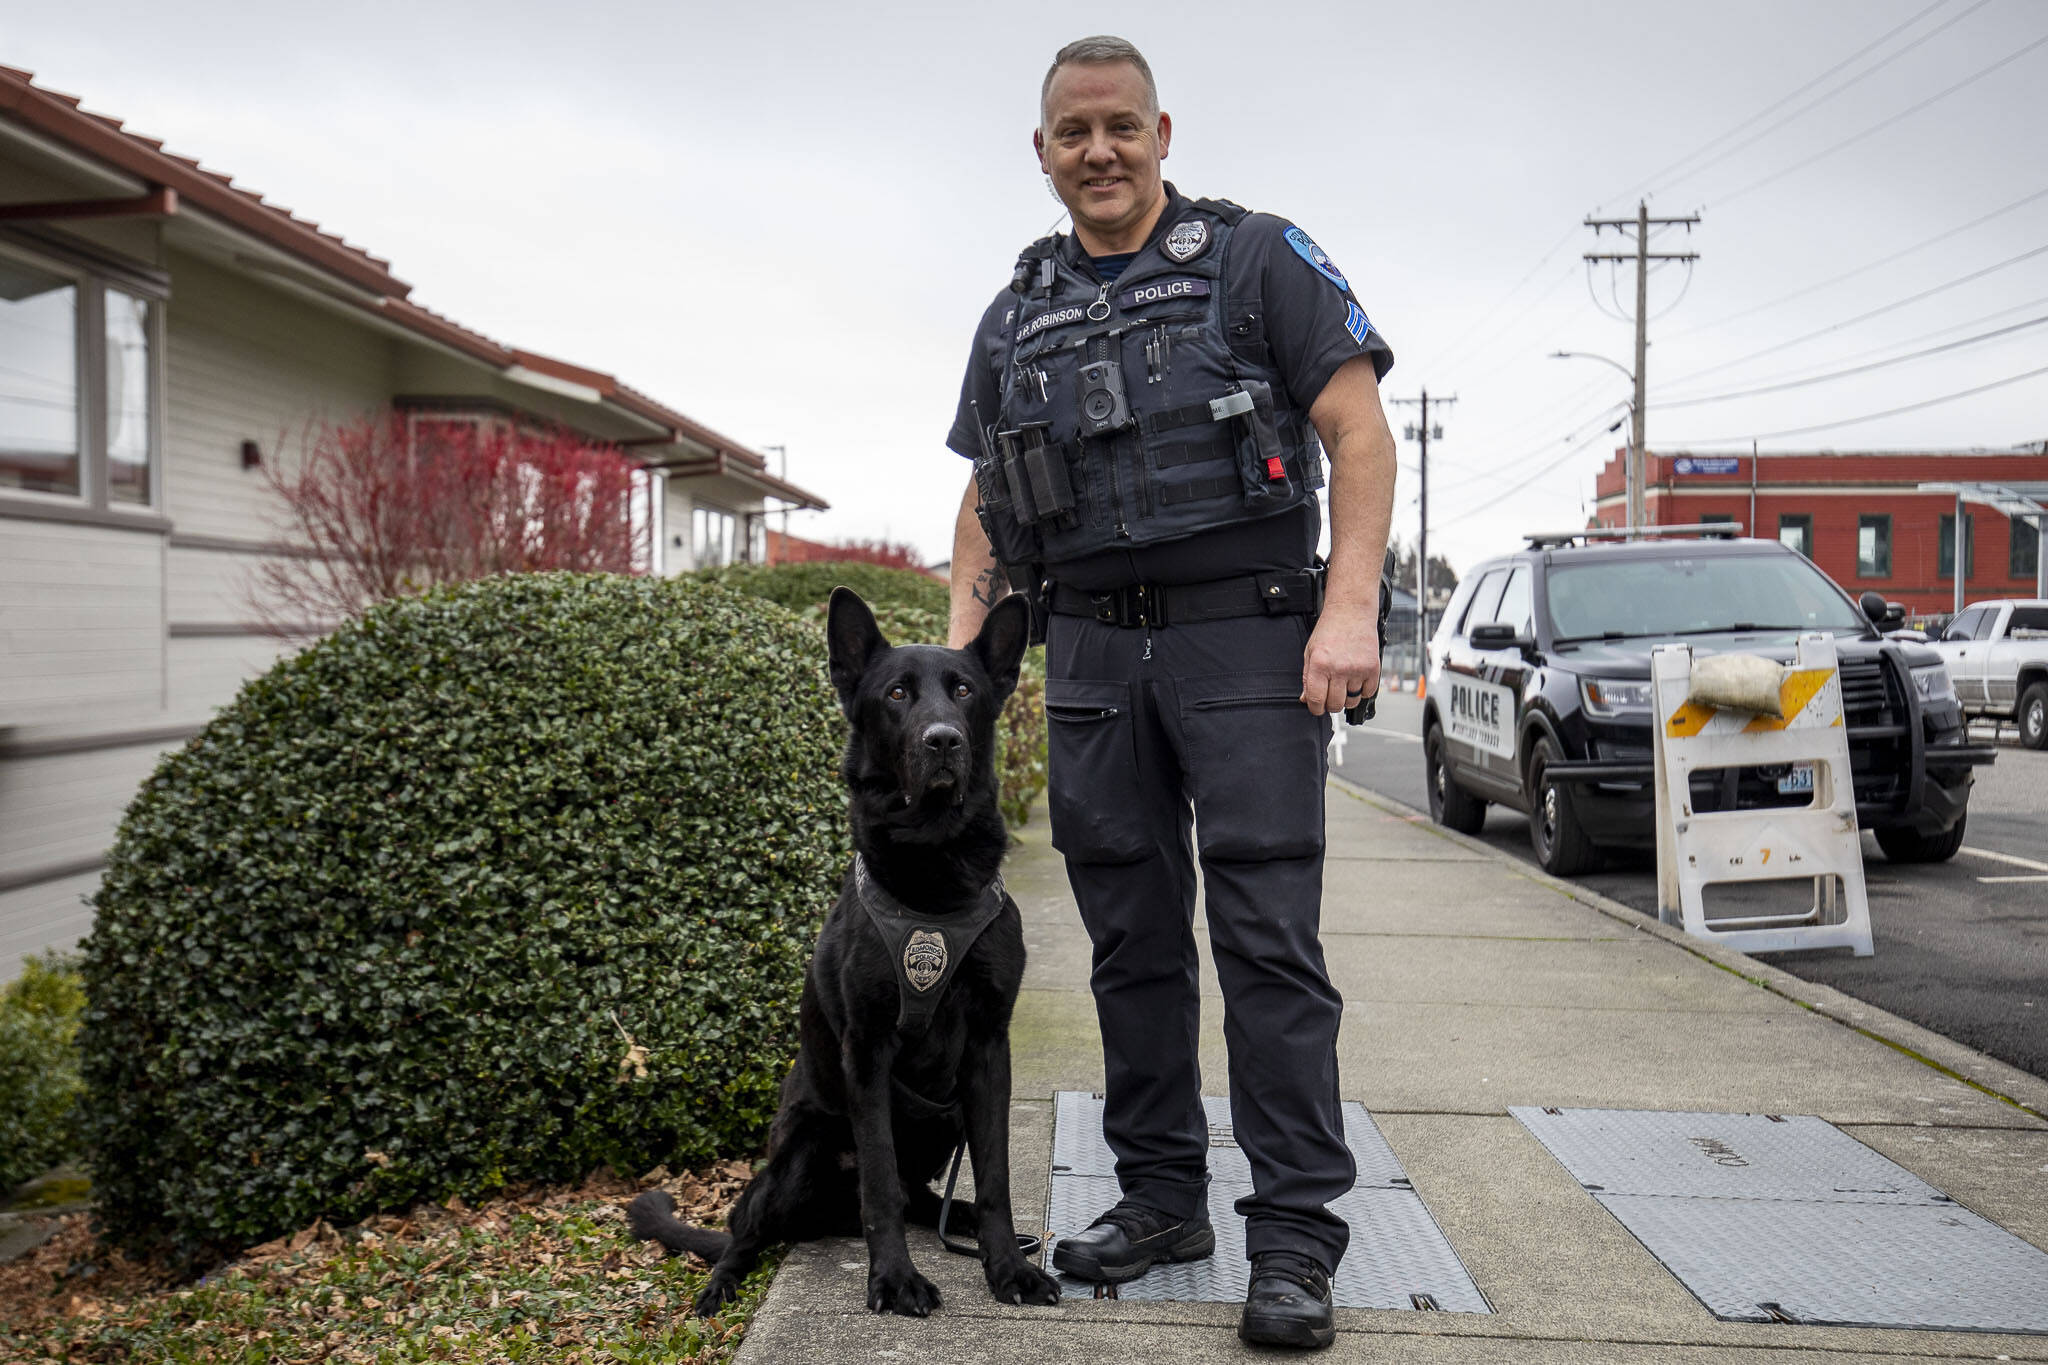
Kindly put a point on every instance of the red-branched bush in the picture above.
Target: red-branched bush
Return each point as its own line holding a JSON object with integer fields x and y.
{"x": 784, "y": 549}
{"x": 383, "y": 507}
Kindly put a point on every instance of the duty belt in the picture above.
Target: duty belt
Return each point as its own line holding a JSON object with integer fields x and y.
{"x": 1299, "y": 593}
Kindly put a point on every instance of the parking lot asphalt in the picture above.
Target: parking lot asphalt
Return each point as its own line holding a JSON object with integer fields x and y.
{"x": 1962, "y": 946}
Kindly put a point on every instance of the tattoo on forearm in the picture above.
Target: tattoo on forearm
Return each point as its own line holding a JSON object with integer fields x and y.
{"x": 988, "y": 586}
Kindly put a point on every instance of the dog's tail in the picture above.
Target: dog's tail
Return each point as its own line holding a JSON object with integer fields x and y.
{"x": 652, "y": 1218}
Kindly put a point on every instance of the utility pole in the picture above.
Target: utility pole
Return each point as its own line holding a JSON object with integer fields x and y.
{"x": 1422, "y": 431}
{"x": 1642, "y": 256}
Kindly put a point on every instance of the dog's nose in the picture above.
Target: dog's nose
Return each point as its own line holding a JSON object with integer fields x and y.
{"x": 944, "y": 739}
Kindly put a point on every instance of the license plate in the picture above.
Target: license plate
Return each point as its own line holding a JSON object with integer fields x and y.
{"x": 1798, "y": 782}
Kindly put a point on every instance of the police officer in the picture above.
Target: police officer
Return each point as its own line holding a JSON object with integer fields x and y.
{"x": 1142, "y": 406}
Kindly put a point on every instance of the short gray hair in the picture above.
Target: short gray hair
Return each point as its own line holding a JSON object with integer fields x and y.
{"x": 1100, "y": 49}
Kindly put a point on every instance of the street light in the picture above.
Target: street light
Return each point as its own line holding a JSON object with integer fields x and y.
{"x": 1633, "y": 470}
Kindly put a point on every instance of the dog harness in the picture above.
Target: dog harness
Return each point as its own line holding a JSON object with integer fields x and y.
{"x": 927, "y": 949}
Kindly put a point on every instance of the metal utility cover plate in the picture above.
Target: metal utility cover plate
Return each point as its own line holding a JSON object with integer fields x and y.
{"x": 1721, "y": 1156}
{"x": 1789, "y": 1219}
{"x": 1397, "y": 1252}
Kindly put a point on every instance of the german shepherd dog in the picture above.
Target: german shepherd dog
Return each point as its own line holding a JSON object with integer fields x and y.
{"x": 879, "y": 1098}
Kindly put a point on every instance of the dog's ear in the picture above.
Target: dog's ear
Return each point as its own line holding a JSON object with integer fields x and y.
{"x": 1000, "y": 645}
{"x": 852, "y": 639}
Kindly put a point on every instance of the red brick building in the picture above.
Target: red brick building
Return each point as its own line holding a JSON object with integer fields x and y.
{"x": 1858, "y": 515}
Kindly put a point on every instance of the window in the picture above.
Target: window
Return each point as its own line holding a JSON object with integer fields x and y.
{"x": 1874, "y": 547}
{"x": 39, "y": 408}
{"x": 1946, "y": 567}
{"x": 1514, "y": 608}
{"x": 711, "y": 536}
{"x": 78, "y": 402}
{"x": 2032, "y": 620}
{"x": 128, "y": 398}
{"x": 1964, "y": 626}
{"x": 1484, "y": 601}
{"x": 2025, "y": 561}
{"x": 1796, "y": 531}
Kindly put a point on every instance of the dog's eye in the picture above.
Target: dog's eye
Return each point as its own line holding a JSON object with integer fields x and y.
{"x": 960, "y": 689}
{"x": 897, "y": 693}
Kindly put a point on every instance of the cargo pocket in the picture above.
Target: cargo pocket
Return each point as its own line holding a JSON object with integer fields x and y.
{"x": 1096, "y": 815}
{"x": 1256, "y": 766}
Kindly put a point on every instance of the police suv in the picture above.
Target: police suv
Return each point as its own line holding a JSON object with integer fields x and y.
{"x": 1538, "y": 694}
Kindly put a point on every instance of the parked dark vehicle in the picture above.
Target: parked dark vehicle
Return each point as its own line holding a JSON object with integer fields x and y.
{"x": 1539, "y": 695}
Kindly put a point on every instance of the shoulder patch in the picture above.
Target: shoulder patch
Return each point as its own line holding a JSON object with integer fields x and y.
{"x": 1186, "y": 241}
{"x": 1357, "y": 323}
{"x": 1306, "y": 248}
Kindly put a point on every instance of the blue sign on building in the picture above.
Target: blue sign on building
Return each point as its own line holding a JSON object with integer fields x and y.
{"x": 1708, "y": 464}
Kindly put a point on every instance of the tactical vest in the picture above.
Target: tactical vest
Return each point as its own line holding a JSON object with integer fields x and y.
{"x": 1142, "y": 410}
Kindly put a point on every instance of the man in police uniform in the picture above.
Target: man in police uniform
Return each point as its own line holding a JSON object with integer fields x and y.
{"x": 1142, "y": 407}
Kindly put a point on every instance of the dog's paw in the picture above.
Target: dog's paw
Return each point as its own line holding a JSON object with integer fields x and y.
{"x": 722, "y": 1290}
{"x": 1019, "y": 1281}
{"x": 905, "y": 1292}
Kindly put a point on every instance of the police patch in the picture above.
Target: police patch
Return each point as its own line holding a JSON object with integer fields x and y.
{"x": 1356, "y": 323}
{"x": 1306, "y": 248}
{"x": 1056, "y": 317}
{"x": 1159, "y": 291}
{"x": 924, "y": 958}
{"x": 1187, "y": 240}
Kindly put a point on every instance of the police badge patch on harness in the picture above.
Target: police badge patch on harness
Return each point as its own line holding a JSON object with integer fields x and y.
{"x": 1187, "y": 240}
{"x": 924, "y": 958}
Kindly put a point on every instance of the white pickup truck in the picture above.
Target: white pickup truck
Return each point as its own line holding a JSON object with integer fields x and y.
{"x": 1997, "y": 656}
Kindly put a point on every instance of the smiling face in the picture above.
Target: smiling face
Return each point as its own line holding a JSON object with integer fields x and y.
{"x": 1102, "y": 143}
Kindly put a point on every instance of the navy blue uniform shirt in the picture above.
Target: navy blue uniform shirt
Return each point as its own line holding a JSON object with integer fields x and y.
{"x": 1314, "y": 323}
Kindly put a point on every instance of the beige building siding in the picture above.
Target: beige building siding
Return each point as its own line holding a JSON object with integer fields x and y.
{"x": 81, "y": 622}
{"x": 48, "y": 915}
{"x": 63, "y": 808}
{"x": 207, "y": 670}
{"x": 247, "y": 363}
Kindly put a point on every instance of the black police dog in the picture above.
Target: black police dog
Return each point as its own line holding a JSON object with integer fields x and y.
{"x": 871, "y": 1112}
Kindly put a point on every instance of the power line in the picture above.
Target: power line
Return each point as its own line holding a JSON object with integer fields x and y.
{"x": 1517, "y": 487}
{"x": 1436, "y": 361}
{"x": 1882, "y": 124}
{"x": 1866, "y": 417}
{"x": 1506, "y": 329}
{"x": 1856, "y": 369}
{"x": 1655, "y": 177}
{"x": 1801, "y": 372}
{"x": 1870, "y": 70}
{"x": 1864, "y": 317}
{"x": 1599, "y": 419}
{"x": 1859, "y": 270}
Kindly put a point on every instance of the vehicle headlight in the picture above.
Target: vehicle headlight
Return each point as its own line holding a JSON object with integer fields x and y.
{"x": 1932, "y": 682}
{"x": 1611, "y": 697}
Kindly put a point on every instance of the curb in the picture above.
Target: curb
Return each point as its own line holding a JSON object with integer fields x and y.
{"x": 2024, "y": 1092}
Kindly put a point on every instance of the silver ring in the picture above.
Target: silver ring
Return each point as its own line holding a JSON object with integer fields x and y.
{"x": 1094, "y": 316}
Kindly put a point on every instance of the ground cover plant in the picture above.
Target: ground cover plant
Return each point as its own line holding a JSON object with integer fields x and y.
{"x": 39, "y": 1082}
{"x": 546, "y": 1274}
{"x": 912, "y": 607}
{"x": 496, "y": 884}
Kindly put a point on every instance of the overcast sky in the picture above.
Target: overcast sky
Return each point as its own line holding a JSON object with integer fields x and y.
{"x": 786, "y": 219}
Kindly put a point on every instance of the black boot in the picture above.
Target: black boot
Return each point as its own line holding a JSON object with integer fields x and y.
{"x": 1123, "y": 1243}
{"x": 1288, "y": 1303}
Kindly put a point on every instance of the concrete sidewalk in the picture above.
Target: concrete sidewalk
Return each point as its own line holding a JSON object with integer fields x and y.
{"x": 1472, "y": 983}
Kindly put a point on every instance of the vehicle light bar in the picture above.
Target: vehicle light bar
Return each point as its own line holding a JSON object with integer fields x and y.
{"x": 1541, "y": 540}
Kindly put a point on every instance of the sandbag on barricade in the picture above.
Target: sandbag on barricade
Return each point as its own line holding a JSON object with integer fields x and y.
{"x": 1745, "y": 682}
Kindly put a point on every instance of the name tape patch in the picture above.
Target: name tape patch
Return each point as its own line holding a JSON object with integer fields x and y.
{"x": 1057, "y": 317}
{"x": 1306, "y": 248}
{"x": 1356, "y": 322}
{"x": 1159, "y": 291}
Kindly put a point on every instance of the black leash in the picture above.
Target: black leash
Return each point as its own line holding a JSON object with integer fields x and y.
{"x": 1026, "y": 1243}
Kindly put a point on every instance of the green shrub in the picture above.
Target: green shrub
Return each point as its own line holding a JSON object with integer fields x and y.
{"x": 912, "y": 609}
{"x": 39, "y": 1084}
{"x": 798, "y": 586}
{"x": 496, "y": 884}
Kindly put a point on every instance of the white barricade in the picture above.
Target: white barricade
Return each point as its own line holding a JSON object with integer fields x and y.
{"x": 1819, "y": 840}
